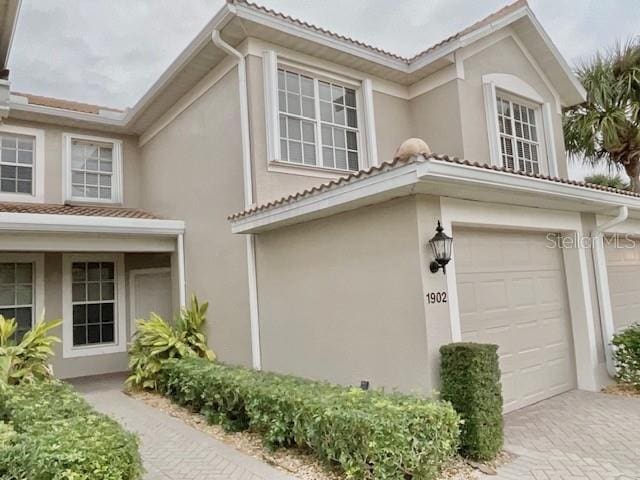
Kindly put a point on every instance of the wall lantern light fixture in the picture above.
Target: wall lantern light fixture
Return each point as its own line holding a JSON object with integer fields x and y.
{"x": 441, "y": 248}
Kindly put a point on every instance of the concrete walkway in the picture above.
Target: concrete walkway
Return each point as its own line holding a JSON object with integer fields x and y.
{"x": 576, "y": 435}
{"x": 171, "y": 449}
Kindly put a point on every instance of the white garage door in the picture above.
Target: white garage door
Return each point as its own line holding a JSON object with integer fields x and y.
{"x": 623, "y": 268}
{"x": 512, "y": 292}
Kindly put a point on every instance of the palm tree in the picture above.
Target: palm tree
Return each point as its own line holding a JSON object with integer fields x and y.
{"x": 606, "y": 128}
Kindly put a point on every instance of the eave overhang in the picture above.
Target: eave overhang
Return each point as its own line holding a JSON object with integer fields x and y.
{"x": 439, "y": 178}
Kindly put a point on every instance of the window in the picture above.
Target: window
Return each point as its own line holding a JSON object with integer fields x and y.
{"x": 93, "y": 169}
{"x": 17, "y": 295}
{"x": 93, "y": 300}
{"x": 21, "y": 164}
{"x": 16, "y": 163}
{"x": 519, "y": 144}
{"x": 93, "y": 308}
{"x": 318, "y": 122}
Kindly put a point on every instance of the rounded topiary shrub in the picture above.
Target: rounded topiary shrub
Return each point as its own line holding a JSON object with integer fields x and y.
{"x": 470, "y": 377}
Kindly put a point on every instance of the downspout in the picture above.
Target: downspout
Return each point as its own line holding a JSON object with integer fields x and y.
{"x": 182, "y": 287}
{"x": 602, "y": 286}
{"x": 248, "y": 193}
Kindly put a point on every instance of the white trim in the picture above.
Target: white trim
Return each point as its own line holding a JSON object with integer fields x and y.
{"x": 182, "y": 282}
{"x": 37, "y": 259}
{"x": 491, "y": 115}
{"x": 120, "y": 343}
{"x": 133, "y": 274}
{"x": 116, "y": 176}
{"x": 369, "y": 124}
{"x": 271, "y": 110}
{"x": 510, "y": 84}
{"x": 431, "y": 82}
{"x": 386, "y": 184}
{"x": 36, "y": 222}
{"x": 487, "y": 216}
{"x": 38, "y": 183}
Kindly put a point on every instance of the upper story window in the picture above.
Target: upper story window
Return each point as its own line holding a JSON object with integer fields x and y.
{"x": 93, "y": 167}
{"x": 21, "y": 164}
{"x": 519, "y": 145}
{"x": 318, "y": 122}
{"x": 520, "y": 125}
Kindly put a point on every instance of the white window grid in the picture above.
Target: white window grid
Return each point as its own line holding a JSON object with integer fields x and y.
{"x": 312, "y": 109}
{"x": 92, "y": 170}
{"x": 17, "y": 295}
{"x": 519, "y": 139}
{"x": 16, "y": 163}
{"x": 95, "y": 296}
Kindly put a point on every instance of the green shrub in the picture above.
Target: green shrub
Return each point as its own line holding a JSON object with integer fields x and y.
{"x": 57, "y": 436}
{"x": 470, "y": 377}
{"x": 627, "y": 355}
{"x": 369, "y": 435}
{"x": 156, "y": 341}
{"x": 28, "y": 360}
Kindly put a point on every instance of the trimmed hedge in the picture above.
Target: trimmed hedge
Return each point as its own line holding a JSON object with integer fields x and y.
{"x": 59, "y": 436}
{"x": 627, "y": 355}
{"x": 370, "y": 435}
{"x": 470, "y": 377}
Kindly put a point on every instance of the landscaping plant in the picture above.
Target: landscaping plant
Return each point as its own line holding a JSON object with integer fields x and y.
{"x": 48, "y": 432}
{"x": 28, "y": 360}
{"x": 470, "y": 377}
{"x": 627, "y": 356}
{"x": 157, "y": 341}
{"x": 368, "y": 434}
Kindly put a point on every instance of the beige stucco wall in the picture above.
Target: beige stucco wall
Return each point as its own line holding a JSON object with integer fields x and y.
{"x": 502, "y": 57}
{"x": 192, "y": 170}
{"x": 435, "y": 117}
{"x": 341, "y": 298}
{"x": 394, "y": 123}
{"x": 53, "y": 160}
{"x": 95, "y": 364}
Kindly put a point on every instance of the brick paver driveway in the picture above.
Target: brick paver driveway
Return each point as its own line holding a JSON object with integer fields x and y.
{"x": 577, "y": 435}
{"x": 172, "y": 450}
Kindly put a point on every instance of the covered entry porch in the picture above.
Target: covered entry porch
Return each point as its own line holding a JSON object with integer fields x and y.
{"x": 97, "y": 273}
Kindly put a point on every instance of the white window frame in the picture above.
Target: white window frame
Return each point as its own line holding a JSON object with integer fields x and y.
{"x": 120, "y": 320}
{"x": 517, "y": 90}
{"x": 366, "y": 139}
{"x": 116, "y": 177}
{"x": 37, "y": 260}
{"x": 37, "y": 178}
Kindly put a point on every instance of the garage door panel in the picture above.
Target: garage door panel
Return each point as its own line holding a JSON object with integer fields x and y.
{"x": 512, "y": 292}
{"x": 623, "y": 268}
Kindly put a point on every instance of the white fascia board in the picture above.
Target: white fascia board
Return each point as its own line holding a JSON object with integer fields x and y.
{"x": 277, "y": 23}
{"x": 330, "y": 199}
{"x": 441, "y": 170}
{"x": 110, "y": 119}
{"x": 36, "y": 222}
{"x": 224, "y": 16}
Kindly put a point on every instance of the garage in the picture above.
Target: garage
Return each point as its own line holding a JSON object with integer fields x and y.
{"x": 623, "y": 268}
{"x": 512, "y": 292}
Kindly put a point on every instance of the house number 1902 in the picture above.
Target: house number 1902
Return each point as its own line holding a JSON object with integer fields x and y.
{"x": 437, "y": 297}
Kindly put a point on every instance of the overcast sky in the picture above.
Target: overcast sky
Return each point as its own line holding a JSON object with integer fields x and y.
{"x": 110, "y": 51}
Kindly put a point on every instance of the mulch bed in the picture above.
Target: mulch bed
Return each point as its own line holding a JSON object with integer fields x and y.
{"x": 621, "y": 390}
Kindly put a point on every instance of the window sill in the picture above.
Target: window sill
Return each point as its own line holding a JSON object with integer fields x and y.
{"x": 75, "y": 352}
{"x": 20, "y": 197}
{"x": 307, "y": 170}
{"x": 96, "y": 203}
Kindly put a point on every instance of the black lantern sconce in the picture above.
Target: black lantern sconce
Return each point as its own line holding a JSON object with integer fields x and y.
{"x": 441, "y": 248}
